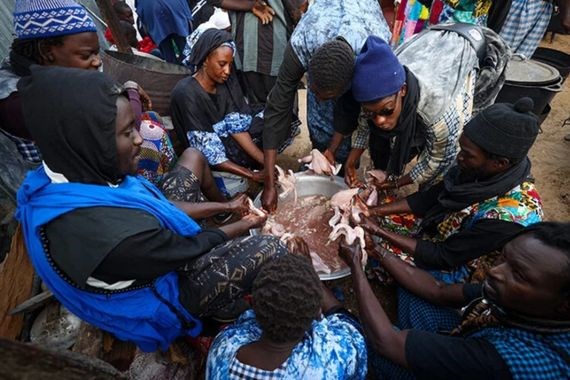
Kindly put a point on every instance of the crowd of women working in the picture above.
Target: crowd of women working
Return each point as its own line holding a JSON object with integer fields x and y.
{"x": 139, "y": 257}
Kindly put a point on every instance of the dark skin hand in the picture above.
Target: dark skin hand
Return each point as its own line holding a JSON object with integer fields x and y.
{"x": 399, "y": 207}
{"x": 377, "y": 326}
{"x": 259, "y": 8}
{"x": 243, "y": 226}
{"x": 330, "y": 152}
{"x": 350, "y": 177}
{"x": 269, "y": 194}
{"x": 202, "y": 210}
{"x": 231, "y": 167}
{"x": 406, "y": 244}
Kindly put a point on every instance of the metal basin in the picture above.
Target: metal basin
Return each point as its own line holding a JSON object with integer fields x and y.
{"x": 307, "y": 185}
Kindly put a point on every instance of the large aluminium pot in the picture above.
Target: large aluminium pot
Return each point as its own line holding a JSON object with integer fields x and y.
{"x": 530, "y": 78}
{"x": 157, "y": 78}
{"x": 307, "y": 185}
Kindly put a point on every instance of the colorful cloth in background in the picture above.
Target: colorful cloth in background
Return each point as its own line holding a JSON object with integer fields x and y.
{"x": 412, "y": 16}
{"x": 157, "y": 155}
{"x": 525, "y": 25}
{"x": 467, "y": 11}
{"x": 333, "y": 348}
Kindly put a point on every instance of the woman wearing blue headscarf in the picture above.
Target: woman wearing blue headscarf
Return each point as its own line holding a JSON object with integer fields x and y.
{"x": 107, "y": 243}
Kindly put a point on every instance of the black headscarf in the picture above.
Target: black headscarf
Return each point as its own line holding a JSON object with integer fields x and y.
{"x": 458, "y": 194}
{"x": 409, "y": 131}
{"x": 71, "y": 115}
{"x": 210, "y": 40}
{"x": 20, "y": 65}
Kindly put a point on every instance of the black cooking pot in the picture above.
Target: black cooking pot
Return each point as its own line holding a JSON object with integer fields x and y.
{"x": 555, "y": 58}
{"x": 530, "y": 78}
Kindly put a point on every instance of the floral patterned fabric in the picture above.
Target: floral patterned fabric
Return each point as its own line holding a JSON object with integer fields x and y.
{"x": 520, "y": 205}
{"x": 332, "y": 349}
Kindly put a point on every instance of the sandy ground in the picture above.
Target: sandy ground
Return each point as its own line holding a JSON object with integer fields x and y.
{"x": 550, "y": 155}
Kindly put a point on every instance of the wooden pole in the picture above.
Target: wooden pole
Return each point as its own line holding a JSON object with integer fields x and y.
{"x": 16, "y": 282}
{"x": 25, "y": 361}
{"x": 113, "y": 21}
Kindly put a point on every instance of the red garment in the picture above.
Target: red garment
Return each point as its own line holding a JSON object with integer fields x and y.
{"x": 146, "y": 45}
{"x": 109, "y": 36}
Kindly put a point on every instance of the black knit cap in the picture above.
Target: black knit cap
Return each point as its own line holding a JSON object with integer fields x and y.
{"x": 507, "y": 130}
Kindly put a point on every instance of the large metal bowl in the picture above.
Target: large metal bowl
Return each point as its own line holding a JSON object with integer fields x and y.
{"x": 307, "y": 185}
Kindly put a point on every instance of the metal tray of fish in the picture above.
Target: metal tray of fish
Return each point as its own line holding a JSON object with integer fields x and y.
{"x": 309, "y": 185}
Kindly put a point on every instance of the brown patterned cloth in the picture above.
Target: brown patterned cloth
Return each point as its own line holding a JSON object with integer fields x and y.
{"x": 216, "y": 282}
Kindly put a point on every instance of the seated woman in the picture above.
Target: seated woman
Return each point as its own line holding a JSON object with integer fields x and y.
{"x": 285, "y": 336}
{"x": 209, "y": 110}
{"x": 147, "y": 272}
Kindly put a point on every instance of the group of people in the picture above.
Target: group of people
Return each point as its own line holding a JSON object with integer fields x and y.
{"x": 151, "y": 257}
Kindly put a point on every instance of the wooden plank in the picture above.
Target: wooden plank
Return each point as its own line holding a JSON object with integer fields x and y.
{"x": 26, "y": 361}
{"x": 16, "y": 283}
{"x": 33, "y": 303}
{"x": 112, "y": 19}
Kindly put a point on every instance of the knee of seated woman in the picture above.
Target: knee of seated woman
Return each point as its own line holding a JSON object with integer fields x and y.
{"x": 191, "y": 159}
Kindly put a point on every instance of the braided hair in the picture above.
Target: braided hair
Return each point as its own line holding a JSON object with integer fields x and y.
{"x": 331, "y": 66}
{"x": 286, "y": 298}
{"x": 31, "y": 49}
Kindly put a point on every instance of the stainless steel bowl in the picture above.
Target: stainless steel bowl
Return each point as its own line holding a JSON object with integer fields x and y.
{"x": 307, "y": 185}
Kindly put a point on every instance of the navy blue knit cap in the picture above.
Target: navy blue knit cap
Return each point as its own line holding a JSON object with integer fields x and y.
{"x": 377, "y": 73}
{"x": 50, "y": 18}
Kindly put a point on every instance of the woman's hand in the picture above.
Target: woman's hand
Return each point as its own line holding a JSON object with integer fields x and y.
{"x": 370, "y": 225}
{"x": 258, "y": 176}
{"x": 239, "y": 205}
{"x": 254, "y": 220}
{"x": 351, "y": 253}
{"x": 350, "y": 176}
{"x": 269, "y": 198}
{"x": 298, "y": 246}
{"x": 376, "y": 176}
{"x": 263, "y": 12}
{"x": 145, "y": 100}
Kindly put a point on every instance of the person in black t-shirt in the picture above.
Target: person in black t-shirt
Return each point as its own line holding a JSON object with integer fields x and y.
{"x": 516, "y": 326}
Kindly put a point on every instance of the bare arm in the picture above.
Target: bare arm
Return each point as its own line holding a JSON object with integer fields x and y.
{"x": 244, "y": 140}
{"x": 277, "y": 118}
{"x": 231, "y": 167}
{"x": 420, "y": 282}
{"x": 243, "y": 226}
{"x": 379, "y": 331}
{"x": 398, "y": 207}
{"x": 406, "y": 244}
{"x": 200, "y": 210}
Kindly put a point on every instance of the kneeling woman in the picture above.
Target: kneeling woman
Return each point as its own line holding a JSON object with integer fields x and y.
{"x": 209, "y": 109}
{"x": 108, "y": 244}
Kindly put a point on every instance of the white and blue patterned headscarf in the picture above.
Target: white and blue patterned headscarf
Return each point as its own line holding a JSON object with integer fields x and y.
{"x": 50, "y": 18}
